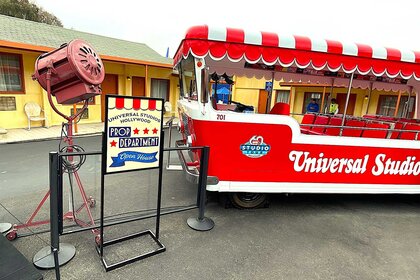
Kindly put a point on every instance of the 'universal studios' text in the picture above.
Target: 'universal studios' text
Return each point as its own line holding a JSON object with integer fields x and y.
{"x": 304, "y": 162}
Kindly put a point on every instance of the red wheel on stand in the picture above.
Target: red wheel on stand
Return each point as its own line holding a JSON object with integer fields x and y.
{"x": 98, "y": 239}
{"x": 92, "y": 202}
{"x": 11, "y": 235}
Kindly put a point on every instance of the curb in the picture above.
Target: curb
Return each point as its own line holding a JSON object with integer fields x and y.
{"x": 51, "y": 138}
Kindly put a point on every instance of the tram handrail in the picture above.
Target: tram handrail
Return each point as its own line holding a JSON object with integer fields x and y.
{"x": 361, "y": 127}
{"x": 192, "y": 174}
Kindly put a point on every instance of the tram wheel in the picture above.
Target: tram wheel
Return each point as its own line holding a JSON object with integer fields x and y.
{"x": 248, "y": 200}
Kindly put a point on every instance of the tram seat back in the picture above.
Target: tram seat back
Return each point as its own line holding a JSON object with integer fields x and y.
{"x": 280, "y": 108}
{"x": 353, "y": 132}
{"x": 308, "y": 118}
{"x": 333, "y": 131}
{"x": 387, "y": 118}
{"x": 372, "y": 117}
{"x": 320, "y": 120}
{"x": 410, "y": 120}
{"x": 380, "y": 132}
{"x": 408, "y": 135}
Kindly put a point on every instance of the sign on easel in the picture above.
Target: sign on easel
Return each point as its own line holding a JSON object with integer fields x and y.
{"x": 132, "y": 141}
{"x": 133, "y": 128}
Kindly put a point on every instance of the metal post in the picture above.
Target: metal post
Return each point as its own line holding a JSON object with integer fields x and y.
{"x": 397, "y": 106}
{"x": 369, "y": 94}
{"x": 202, "y": 223}
{"x": 347, "y": 103}
{"x": 407, "y": 104}
{"x": 159, "y": 194}
{"x": 270, "y": 94}
{"x": 168, "y": 163}
{"x": 323, "y": 100}
{"x": 326, "y": 108}
{"x": 56, "y": 263}
{"x": 103, "y": 169}
{"x": 46, "y": 258}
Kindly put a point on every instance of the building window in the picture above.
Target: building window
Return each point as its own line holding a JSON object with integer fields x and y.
{"x": 387, "y": 105}
{"x": 308, "y": 98}
{"x": 160, "y": 89}
{"x": 282, "y": 96}
{"x": 7, "y": 103}
{"x": 11, "y": 73}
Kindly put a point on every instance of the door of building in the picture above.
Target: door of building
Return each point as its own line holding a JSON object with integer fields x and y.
{"x": 262, "y": 101}
{"x": 341, "y": 101}
{"x": 109, "y": 86}
{"x": 138, "y": 86}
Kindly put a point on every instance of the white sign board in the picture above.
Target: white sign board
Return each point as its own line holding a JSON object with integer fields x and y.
{"x": 133, "y": 129}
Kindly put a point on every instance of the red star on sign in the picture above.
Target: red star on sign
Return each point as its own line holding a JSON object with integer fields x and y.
{"x": 136, "y": 131}
{"x": 146, "y": 131}
{"x": 113, "y": 143}
{"x": 154, "y": 130}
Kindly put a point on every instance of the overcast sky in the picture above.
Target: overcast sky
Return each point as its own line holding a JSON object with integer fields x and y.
{"x": 162, "y": 24}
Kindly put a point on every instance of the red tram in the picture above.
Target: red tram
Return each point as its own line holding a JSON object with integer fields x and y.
{"x": 252, "y": 154}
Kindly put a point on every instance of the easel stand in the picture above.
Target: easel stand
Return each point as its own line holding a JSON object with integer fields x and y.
{"x": 155, "y": 236}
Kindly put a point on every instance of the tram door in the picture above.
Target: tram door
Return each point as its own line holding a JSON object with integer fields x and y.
{"x": 341, "y": 101}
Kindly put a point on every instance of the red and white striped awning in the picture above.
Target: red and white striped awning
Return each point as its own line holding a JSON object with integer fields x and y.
{"x": 120, "y": 103}
{"x": 270, "y": 48}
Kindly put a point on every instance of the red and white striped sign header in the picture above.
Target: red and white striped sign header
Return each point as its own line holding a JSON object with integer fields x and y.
{"x": 135, "y": 104}
{"x": 271, "y": 48}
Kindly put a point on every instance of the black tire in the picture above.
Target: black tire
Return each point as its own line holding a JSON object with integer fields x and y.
{"x": 248, "y": 200}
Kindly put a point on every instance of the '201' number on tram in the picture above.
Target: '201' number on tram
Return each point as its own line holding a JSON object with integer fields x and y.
{"x": 221, "y": 117}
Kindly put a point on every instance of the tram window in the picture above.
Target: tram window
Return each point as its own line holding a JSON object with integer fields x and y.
{"x": 189, "y": 87}
{"x": 187, "y": 79}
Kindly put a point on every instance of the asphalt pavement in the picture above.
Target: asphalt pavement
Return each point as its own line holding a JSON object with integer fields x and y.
{"x": 296, "y": 237}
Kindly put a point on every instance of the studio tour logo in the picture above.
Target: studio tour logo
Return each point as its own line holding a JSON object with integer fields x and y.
{"x": 255, "y": 147}
{"x": 305, "y": 162}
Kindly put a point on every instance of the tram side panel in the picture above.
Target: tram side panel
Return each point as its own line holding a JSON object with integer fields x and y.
{"x": 258, "y": 152}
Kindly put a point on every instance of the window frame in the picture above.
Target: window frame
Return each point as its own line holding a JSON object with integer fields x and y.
{"x": 160, "y": 79}
{"x": 22, "y": 76}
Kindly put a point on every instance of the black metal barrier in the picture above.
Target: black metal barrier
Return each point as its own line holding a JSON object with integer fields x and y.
{"x": 57, "y": 253}
{"x": 56, "y": 209}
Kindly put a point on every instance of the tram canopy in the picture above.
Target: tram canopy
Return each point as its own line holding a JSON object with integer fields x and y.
{"x": 293, "y": 58}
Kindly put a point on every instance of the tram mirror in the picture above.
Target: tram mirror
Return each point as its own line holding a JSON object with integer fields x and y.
{"x": 204, "y": 85}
